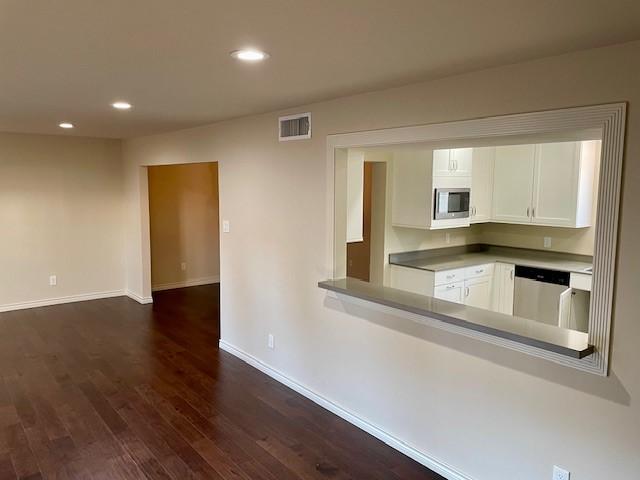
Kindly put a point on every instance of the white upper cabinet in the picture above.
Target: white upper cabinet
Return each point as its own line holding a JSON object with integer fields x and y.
{"x": 513, "y": 183}
{"x": 412, "y": 186}
{"x": 482, "y": 184}
{"x": 442, "y": 162}
{"x": 355, "y": 196}
{"x": 563, "y": 184}
{"x": 452, "y": 162}
{"x": 462, "y": 161}
{"x": 547, "y": 184}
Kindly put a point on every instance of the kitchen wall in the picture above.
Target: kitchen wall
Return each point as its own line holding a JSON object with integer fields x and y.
{"x": 486, "y": 411}
{"x": 183, "y": 212}
{"x": 570, "y": 240}
{"x": 61, "y": 214}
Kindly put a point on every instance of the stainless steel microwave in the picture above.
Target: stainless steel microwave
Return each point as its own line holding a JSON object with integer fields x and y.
{"x": 451, "y": 203}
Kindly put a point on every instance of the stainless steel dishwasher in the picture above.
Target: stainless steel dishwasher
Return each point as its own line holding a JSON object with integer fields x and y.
{"x": 541, "y": 294}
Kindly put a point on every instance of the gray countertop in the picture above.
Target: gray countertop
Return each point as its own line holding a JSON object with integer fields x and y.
{"x": 529, "y": 332}
{"x": 470, "y": 255}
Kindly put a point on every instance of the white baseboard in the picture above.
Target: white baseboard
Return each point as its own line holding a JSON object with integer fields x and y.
{"x": 421, "y": 457}
{"x": 60, "y": 300}
{"x": 186, "y": 283}
{"x": 138, "y": 298}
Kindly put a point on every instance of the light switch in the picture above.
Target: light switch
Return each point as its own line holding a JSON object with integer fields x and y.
{"x": 225, "y": 226}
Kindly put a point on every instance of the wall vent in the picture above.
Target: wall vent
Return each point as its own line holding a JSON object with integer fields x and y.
{"x": 295, "y": 127}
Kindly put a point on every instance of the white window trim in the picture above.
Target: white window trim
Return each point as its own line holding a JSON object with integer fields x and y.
{"x": 610, "y": 118}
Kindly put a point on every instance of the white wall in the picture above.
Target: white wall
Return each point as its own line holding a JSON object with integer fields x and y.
{"x": 490, "y": 412}
{"x": 61, "y": 214}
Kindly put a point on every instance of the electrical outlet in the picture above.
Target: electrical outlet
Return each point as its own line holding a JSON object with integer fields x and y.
{"x": 447, "y": 238}
{"x": 560, "y": 473}
{"x": 271, "y": 342}
{"x": 183, "y": 266}
{"x": 547, "y": 242}
{"x": 226, "y": 228}
{"x": 53, "y": 281}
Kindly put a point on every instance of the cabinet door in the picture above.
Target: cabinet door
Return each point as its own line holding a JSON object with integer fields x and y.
{"x": 451, "y": 292}
{"x": 411, "y": 189}
{"x": 442, "y": 164}
{"x": 503, "y": 288}
{"x": 355, "y": 196}
{"x": 477, "y": 292}
{"x": 513, "y": 183}
{"x": 461, "y": 162}
{"x": 482, "y": 184}
{"x": 555, "y": 184}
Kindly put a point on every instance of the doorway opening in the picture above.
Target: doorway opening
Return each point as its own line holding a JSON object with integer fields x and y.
{"x": 184, "y": 236}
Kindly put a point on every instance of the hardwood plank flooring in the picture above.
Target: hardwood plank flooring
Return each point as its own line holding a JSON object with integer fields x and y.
{"x": 110, "y": 389}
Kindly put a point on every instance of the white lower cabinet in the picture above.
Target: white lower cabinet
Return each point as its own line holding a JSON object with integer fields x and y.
{"x": 503, "y": 287}
{"x": 469, "y": 286}
{"x": 411, "y": 280}
{"x": 451, "y": 292}
{"x": 477, "y": 292}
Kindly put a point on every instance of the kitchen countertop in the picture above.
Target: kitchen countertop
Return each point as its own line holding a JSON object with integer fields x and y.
{"x": 567, "y": 342}
{"x": 470, "y": 255}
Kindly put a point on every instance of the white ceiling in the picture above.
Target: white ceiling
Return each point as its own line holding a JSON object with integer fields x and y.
{"x": 68, "y": 60}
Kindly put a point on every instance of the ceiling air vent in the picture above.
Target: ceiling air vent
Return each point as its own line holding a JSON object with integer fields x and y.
{"x": 295, "y": 127}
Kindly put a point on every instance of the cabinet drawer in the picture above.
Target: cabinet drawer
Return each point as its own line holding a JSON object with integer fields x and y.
{"x": 580, "y": 281}
{"x": 451, "y": 292}
{"x": 479, "y": 271}
{"x": 449, "y": 276}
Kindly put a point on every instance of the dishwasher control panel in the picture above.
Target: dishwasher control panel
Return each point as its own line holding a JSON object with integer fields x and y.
{"x": 543, "y": 275}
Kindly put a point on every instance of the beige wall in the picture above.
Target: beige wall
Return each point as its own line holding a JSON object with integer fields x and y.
{"x": 61, "y": 214}
{"x": 183, "y": 212}
{"x": 490, "y": 412}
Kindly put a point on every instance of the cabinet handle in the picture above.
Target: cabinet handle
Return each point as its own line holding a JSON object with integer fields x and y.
{"x": 455, "y": 165}
{"x": 533, "y": 212}
{"x": 528, "y": 211}
{"x": 512, "y": 273}
{"x": 466, "y": 291}
{"x": 479, "y": 271}
{"x": 449, "y": 287}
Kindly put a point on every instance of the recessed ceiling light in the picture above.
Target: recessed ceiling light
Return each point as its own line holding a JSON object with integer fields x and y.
{"x": 249, "y": 55}
{"x": 66, "y": 125}
{"x": 121, "y": 105}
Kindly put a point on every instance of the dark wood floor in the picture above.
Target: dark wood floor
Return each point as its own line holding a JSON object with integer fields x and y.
{"x": 110, "y": 389}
